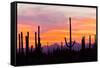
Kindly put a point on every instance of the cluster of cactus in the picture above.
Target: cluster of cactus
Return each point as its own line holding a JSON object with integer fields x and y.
{"x": 83, "y": 43}
{"x": 71, "y": 44}
{"x": 37, "y": 40}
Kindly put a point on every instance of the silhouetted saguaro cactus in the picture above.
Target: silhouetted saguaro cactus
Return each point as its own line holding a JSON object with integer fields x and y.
{"x": 39, "y": 42}
{"x": 27, "y": 43}
{"x": 22, "y": 42}
{"x": 35, "y": 40}
{"x": 89, "y": 41}
{"x": 19, "y": 42}
{"x": 83, "y": 43}
{"x": 71, "y": 44}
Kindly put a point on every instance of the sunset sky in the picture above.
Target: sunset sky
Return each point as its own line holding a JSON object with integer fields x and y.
{"x": 54, "y": 22}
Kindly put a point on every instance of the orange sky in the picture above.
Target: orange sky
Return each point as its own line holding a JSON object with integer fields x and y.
{"x": 57, "y": 35}
{"x": 54, "y": 25}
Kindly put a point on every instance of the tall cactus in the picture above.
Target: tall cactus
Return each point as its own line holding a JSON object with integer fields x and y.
{"x": 35, "y": 40}
{"x": 89, "y": 41}
{"x": 22, "y": 42}
{"x": 27, "y": 43}
{"x": 83, "y": 43}
{"x": 71, "y": 44}
{"x": 19, "y": 42}
{"x": 39, "y": 42}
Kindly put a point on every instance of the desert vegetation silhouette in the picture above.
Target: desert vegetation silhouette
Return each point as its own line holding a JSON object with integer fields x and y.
{"x": 61, "y": 54}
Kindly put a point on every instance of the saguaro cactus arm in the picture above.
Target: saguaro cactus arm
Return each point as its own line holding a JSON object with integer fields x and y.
{"x": 73, "y": 43}
{"x": 66, "y": 42}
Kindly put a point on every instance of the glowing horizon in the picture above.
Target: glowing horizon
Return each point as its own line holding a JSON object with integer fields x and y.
{"x": 54, "y": 23}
